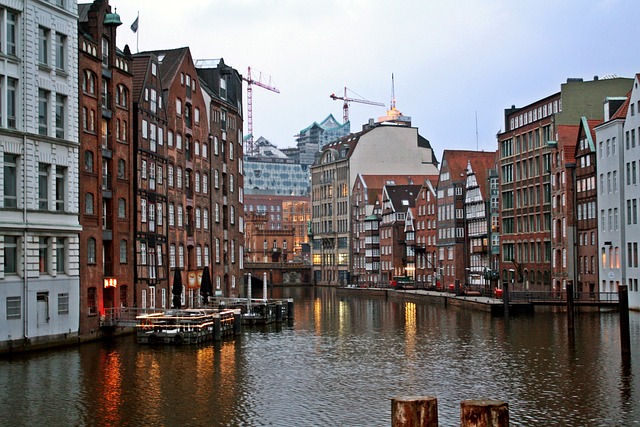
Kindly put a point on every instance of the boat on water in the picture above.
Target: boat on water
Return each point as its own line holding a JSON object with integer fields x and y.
{"x": 188, "y": 326}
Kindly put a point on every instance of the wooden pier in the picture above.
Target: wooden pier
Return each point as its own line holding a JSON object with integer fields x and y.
{"x": 259, "y": 311}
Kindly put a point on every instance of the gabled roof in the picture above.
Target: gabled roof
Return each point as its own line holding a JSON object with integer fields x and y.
{"x": 169, "y": 61}
{"x": 589, "y": 131}
{"x": 456, "y": 161}
{"x": 622, "y": 111}
{"x": 481, "y": 163}
{"x": 374, "y": 184}
{"x": 401, "y": 197}
{"x": 567, "y": 138}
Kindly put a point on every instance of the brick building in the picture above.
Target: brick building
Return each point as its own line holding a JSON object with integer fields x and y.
{"x": 106, "y": 173}
{"x": 222, "y": 92}
{"x": 537, "y": 225}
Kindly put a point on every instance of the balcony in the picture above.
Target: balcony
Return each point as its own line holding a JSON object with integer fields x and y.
{"x": 107, "y": 187}
{"x": 108, "y": 270}
{"x": 479, "y": 249}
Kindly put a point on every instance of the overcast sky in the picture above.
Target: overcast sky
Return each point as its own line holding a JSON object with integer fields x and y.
{"x": 453, "y": 60}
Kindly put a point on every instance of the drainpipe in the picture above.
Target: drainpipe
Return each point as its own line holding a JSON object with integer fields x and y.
{"x": 25, "y": 278}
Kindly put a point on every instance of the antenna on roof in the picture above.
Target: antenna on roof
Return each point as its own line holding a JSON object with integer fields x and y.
{"x": 393, "y": 94}
{"x": 477, "y": 149}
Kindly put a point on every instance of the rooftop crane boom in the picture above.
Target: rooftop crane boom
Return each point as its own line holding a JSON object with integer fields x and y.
{"x": 347, "y": 100}
{"x": 250, "y": 82}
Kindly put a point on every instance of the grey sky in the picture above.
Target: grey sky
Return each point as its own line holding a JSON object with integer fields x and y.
{"x": 450, "y": 59}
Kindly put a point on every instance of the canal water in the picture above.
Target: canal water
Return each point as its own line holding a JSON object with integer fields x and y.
{"x": 339, "y": 364}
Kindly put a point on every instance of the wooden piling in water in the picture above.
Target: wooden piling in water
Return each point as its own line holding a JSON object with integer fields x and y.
{"x": 217, "y": 329}
{"x": 278, "y": 311}
{"x": 625, "y": 337}
{"x": 415, "y": 411}
{"x": 290, "y": 309}
{"x": 484, "y": 413}
{"x": 570, "y": 307}
{"x": 237, "y": 322}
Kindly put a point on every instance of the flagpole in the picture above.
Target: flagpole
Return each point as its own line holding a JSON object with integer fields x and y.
{"x": 138, "y": 34}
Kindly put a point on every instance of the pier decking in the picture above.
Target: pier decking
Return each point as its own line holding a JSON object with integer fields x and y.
{"x": 190, "y": 326}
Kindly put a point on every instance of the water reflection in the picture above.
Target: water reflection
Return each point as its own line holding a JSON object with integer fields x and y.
{"x": 339, "y": 364}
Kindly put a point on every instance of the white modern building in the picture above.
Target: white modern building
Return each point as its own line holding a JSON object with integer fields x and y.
{"x": 618, "y": 164}
{"x": 631, "y": 195}
{"x": 39, "y": 225}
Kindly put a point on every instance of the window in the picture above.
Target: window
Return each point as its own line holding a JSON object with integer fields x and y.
{"x": 180, "y": 216}
{"x": 43, "y": 46}
{"x": 60, "y": 254}
{"x": 172, "y": 256}
{"x": 13, "y": 308}
{"x": 181, "y": 256}
{"x": 10, "y": 34}
{"x": 171, "y": 215}
{"x": 143, "y": 210}
{"x": 121, "y": 169}
{"x": 60, "y": 115}
{"x": 205, "y": 218}
{"x": 12, "y": 85}
{"x": 88, "y": 203}
{"x": 43, "y": 112}
{"x": 89, "y": 82}
{"x": 88, "y": 161}
{"x": 91, "y": 251}
{"x": 43, "y": 255}
{"x": 10, "y": 254}
{"x": 205, "y": 183}
{"x": 61, "y": 173}
{"x": 43, "y": 186}
{"x": 121, "y": 96}
{"x": 179, "y": 141}
{"x": 223, "y": 88}
{"x": 92, "y": 301}
{"x": 63, "y": 303}
{"x": 61, "y": 41}
{"x": 105, "y": 52}
{"x": 123, "y": 251}
{"x": 10, "y": 180}
{"x": 170, "y": 138}
{"x": 122, "y": 208}
{"x": 178, "y": 107}
{"x": 170, "y": 175}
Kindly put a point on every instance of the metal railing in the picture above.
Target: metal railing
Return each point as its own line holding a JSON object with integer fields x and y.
{"x": 561, "y": 296}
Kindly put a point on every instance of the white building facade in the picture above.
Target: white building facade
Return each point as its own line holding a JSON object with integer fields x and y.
{"x": 39, "y": 225}
{"x": 631, "y": 195}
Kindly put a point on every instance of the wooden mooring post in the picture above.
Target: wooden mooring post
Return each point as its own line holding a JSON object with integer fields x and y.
{"x": 625, "y": 336}
{"x": 484, "y": 413}
{"x": 417, "y": 411}
{"x": 422, "y": 411}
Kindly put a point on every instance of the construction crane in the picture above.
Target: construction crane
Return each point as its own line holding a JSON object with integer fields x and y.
{"x": 347, "y": 100}
{"x": 250, "y": 82}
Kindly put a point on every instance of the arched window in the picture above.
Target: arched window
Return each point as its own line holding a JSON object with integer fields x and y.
{"x": 122, "y": 169}
{"x": 91, "y": 250}
{"x": 89, "y": 82}
{"x": 88, "y": 204}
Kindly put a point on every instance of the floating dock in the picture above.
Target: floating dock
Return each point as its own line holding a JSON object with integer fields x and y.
{"x": 260, "y": 311}
{"x": 189, "y": 326}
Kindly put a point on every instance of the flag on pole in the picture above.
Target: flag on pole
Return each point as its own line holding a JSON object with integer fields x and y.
{"x": 134, "y": 26}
